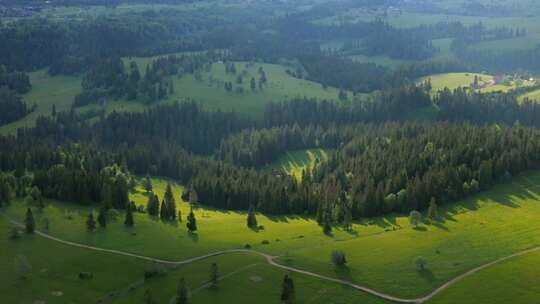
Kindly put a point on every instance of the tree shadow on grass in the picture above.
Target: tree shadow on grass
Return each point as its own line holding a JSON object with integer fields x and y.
{"x": 420, "y": 229}
{"x": 344, "y": 273}
{"x": 193, "y": 236}
{"x": 426, "y": 274}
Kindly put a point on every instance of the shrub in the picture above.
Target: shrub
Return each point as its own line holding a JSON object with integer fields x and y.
{"x": 338, "y": 258}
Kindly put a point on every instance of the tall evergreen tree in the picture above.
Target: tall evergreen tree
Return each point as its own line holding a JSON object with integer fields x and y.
{"x": 30, "y": 223}
{"x": 148, "y": 298}
{"x": 90, "y": 223}
{"x": 182, "y": 293}
{"x": 170, "y": 203}
{"x": 102, "y": 217}
{"x": 191, "y": 222}
{"x": 147, "y": 184}
{"x": 153, "y": 205}
{"x": 214, "y": 275}
{"x": 163, "y": 213}
{"x": 252, "y": 218}
{"x": 129, "y": 222}
{"x": 287, "y": 290}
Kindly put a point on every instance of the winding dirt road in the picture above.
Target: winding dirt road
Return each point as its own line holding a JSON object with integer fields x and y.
{"x": 271, "y": 260}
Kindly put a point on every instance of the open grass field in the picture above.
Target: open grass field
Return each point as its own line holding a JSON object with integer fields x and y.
{"x": 380, "y": 251}
{"x": 453, "y": 80}
{"x": 508, "y": 282}
{"x": 296, "y": 162}
{"x": 53, "y": 277}
{"x": 46, "y": 91}
{"x": 534, "y": 95}
{"x": 210, "y": 92}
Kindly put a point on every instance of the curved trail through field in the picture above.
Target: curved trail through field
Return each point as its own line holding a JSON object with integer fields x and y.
{"x": 271, "y": 260}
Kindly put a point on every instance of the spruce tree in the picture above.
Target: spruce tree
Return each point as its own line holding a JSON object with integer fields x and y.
{"x": 252, "y": 218}
{"x": 170, "y": 203}
{"x": 163, "y": 214}
{"x": 102, "y": 217}
{"x": 287, "y": 290}
{"x": 153, "y": 205}
{"x": 90, "y": 223}
{"x": 129, "y": 222}
{"x": 191, "y": 222}
{"x": 214, "y": 275}
{"x": 182, "y": 292}
{"x": 147, "y": 184}
{"x": 30, "y": 222}
{"x": 432, "y": 210}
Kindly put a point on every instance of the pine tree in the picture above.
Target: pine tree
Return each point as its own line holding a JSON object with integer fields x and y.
{"x": 287, "y": 290}
{"x": 29, "y": 221}
{"x": 102, "y": 217}
{"x": 253, "y": 84}
{"x": 163, "y": 214}
{"x": 214, "y": 275}
{"x": 129, "y": 222}
{"x": 432, "y": 210}
{"x": 147, "y": 184}
{"x": 252, "y": 218}
{"x": 170, "y": 203}
{"x": 153, "y": 205}
{"x": 182, "y": 293}
{"x": 191, "y": 222}
{"x": 179, "y": 216}
{"x": 90, "y": 223}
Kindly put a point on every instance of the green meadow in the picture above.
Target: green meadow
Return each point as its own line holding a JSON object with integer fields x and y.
{"x": 380, "y": 251}
{"x": 296, "y": 162}
{"x": 46, "y": 92}
{"x": 507, "y": 282}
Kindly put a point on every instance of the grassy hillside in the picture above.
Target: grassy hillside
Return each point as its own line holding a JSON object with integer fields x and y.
{"x": 53, "y": 277}
{"x": 508, "y": 282}
{"x": 295, "y": 162}
{"x": 46, "y": 91}
{"x": 380, "y": 252}
{"x": 453, "y": 80}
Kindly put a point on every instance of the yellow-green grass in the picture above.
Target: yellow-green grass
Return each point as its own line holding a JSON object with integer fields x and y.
{"x": 475, "y": 231}
{"x": 453, "y": 80}
{"x": 380, "y": 252}
{"x": 46, "y": 92}
{"x": 296, "y": 162}
{"x": 55, "y": 268}
{"x": 512, "y": 281}
{"x": 504, "y": 88}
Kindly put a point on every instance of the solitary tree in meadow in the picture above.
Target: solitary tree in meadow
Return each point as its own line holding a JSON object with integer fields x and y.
{"x": 432, "y": 210}
{"x": 338, "y": 258}
{"x": 30, "y": 223}
{"x": 148, "y": 298}
{"x": 90, "y": 223}
{"x": 421, "y": 263}
{"x": 253, "y": 84}
{"x": 414, "y": 218}
{"x": 129, "y": 222}
{"x": 102, "y": 217}
{"x": 182, "y": 292}
{"x": 214, "y": 275}
{"x": 287, "y": 290}
{"x": 191, "y": 222}
{"x": 170, "y": 202}
{"x": 252, "y": 218}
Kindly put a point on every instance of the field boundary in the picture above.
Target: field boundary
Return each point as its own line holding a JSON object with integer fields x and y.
{"x": 270, "y": 259}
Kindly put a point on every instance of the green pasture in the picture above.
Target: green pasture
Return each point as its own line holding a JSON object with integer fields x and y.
{"x": 295, "y": 162}
{"x": 46, "y": 92}
{"x": 511, "y": 281}
{"x": 380, "y": 251}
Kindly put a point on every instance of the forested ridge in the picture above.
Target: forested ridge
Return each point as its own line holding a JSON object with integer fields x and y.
{"x": 379, "y": 164}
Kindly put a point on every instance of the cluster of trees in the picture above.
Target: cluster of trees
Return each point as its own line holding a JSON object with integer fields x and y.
{"x": 462, "y": 105}
{"x": 13, "y": 107}
{"x": 15, "y": 81}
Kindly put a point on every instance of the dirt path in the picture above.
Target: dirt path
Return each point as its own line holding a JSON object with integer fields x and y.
{"x": 271, "y": 260}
